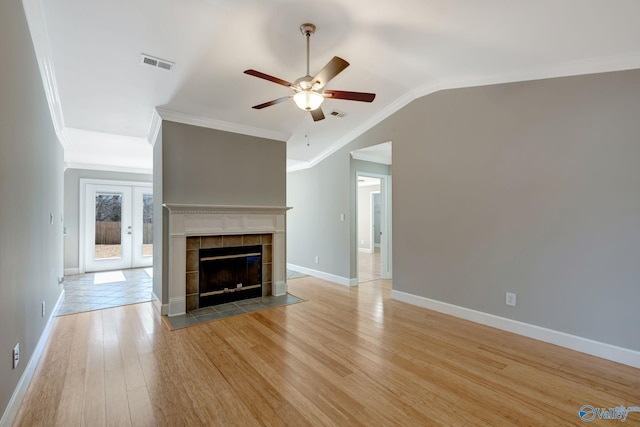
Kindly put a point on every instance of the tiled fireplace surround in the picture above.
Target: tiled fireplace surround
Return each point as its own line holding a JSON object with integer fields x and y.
{"x": 192, "y": 227}
{"x": 195, "y": 243}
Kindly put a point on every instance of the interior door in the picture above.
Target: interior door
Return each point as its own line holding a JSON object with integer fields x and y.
{"x": 118, "y": 222}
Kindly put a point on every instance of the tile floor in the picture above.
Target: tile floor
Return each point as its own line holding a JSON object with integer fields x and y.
{"x": 230, "y": 309}
{"x": 95, "y": 291}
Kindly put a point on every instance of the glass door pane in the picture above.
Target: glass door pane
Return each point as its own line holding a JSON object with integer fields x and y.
{"x": 142, "y": 227}
{"x": 147, "y": 225}
{"x": 108, "y": 225}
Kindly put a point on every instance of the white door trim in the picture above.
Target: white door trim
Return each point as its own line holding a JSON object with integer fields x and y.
{"x": 372, "y": 234}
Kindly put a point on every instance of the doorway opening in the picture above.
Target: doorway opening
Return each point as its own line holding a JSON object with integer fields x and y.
{"x": 372, "y": 247}
{"x": 373, "y": 220}
{"x": 369, "y": 233}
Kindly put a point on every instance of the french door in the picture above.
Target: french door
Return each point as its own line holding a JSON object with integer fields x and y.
{"x": 118, "y": 226}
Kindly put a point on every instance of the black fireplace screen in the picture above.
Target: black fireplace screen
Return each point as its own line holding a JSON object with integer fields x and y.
{"x": 230, "y": 274}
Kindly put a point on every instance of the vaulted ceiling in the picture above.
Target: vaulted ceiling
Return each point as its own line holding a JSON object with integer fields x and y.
{"x": 105, "y": 98}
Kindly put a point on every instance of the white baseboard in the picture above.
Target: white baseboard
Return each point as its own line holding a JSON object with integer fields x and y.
{"x": 177, "y": 306}
{"x": 71, "y": 271}
{"x": 279, "y": 288}
{"x": 366, "y": 250}
{"x": 325, "y": 276}
{"x": 163, "y": 309}
{"x": 21, "y": 389}
{"x": 584, "y": 345}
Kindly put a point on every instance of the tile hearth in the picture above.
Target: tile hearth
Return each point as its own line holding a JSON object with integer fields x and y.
{"x": 221, "y": 311}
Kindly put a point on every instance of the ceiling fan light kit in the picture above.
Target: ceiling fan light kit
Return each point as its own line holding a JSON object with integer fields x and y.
{"x": 309, "y": 91}
{"x": 308, "y": 100}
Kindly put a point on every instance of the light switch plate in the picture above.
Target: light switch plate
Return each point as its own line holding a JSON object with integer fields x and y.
{"x": 511, "y": 299}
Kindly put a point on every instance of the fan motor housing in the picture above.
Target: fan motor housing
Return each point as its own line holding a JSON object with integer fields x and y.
{"x": 307, "y": 28}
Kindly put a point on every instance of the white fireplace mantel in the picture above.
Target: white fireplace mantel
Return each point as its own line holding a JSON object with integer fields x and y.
{"x": 214, "y": 220}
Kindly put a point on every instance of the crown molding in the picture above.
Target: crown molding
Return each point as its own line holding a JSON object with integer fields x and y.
{"x": 299, "y": 166}
{"x": 154, "y": 127}
{"x": 34, "y": 13}
{"x": 106, "y": 168}
{"x": 191, "y": 119}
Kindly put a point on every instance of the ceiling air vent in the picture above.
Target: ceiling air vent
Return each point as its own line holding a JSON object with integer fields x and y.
{"x": 156, "y": 62}
{"x": 337, "y": 113}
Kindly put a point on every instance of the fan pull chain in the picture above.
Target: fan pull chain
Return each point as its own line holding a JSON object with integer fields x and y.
{"x": 307, "y": 134}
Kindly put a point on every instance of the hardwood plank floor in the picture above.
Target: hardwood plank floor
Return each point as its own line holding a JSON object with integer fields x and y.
{"x": 345, "y": 356}
{"x": 369, "y": 266}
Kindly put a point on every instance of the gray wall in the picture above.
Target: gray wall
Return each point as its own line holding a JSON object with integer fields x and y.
{"x": 214, "y": 167}
{"x": 319, "y": 196}
{"x": 31, "y": 168}
{"x": 72, "y": 206}
{"x": 527, "y": 187}
{"x": 206, "y": 166}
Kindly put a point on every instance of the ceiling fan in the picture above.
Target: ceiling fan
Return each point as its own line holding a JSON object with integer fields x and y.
{"x": 309, "y": 90}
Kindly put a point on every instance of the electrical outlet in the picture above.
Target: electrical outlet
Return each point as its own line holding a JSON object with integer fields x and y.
{"x": 16, "y": 355}
{"x": 44, "y": 310}
{"x": 341, "y": 217}
{"x": 511, "y": 299}
{"x": 316, "y": 260}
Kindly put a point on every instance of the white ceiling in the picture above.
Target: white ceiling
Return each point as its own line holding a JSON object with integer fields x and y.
{"x": 400, "y": 50}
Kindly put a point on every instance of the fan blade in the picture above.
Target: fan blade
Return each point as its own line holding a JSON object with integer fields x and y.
{"x": 268, "y": 77}
{"x": 332, "y": 69}
{"x": 270, "y": 103}
{"x": 317, "y": 114}
{"x": 350, "y": 96}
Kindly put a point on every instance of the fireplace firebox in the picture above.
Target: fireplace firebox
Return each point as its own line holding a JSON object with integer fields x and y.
{"x": 229, "y": 274}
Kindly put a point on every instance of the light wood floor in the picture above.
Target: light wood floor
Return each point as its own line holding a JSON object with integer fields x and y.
{"x": 369, "y": 266}
{"x": 346, "y": 356}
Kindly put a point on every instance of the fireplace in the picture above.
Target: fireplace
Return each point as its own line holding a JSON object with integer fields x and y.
{"x": 230, "y": 274}
{"x": 196, "y": 228}
{"x": 220, "y": 263}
